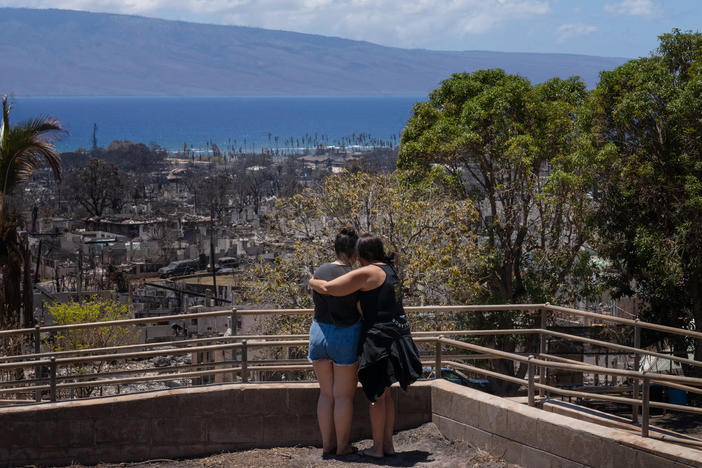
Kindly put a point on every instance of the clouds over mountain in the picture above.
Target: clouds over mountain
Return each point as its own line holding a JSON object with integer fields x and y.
{"x": 420, "y": 23}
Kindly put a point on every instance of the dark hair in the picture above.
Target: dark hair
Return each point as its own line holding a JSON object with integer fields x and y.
{"x": 345, "y": 242}
{"x": 370, "y": 248}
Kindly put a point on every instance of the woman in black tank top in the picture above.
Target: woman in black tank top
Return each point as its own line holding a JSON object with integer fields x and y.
{"x": 388, "y": 354}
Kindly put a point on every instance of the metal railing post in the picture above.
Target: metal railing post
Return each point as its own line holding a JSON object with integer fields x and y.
{"x": 244, "y": 362}
{"x": 530, "y": 373}
{"x": 52, "y": 378}
{"x": 37, "y": 339}
{"x": 37, "y": 350}
{"x": 235, "y": 322}
{"x": 596, "y": 375}
{"x": 645, "y": 406}
{"x": 233, "y": 329}
{"x": 543, "y": 371}
{"x": 635, "y": 383}
{"x": 437, "y": 362}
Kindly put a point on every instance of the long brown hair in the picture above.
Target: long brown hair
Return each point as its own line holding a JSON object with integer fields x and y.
{"x": 370, "y": 248}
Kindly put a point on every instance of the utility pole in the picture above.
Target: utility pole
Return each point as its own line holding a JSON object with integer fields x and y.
{"x": 36, "y": 270}
{"x": 212, "y": 253}
{"x": 94, "y": 139}
{"x": 56, "y": 276}
{"x": 79, "y": 288}
{"x": 27, "y": 288}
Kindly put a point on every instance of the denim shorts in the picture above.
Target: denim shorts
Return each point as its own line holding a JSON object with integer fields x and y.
{"x": 340, "y": 344}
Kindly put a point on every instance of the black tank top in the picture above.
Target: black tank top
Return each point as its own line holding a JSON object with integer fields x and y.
{"x": 384, "y": 303}
{"x": 339, "y": 311}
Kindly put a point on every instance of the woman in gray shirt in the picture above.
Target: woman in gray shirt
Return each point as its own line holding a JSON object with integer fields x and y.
{"x": 333, "y": 350}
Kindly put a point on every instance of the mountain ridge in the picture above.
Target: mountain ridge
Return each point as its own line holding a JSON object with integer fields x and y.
{"x": 101, "y": 54}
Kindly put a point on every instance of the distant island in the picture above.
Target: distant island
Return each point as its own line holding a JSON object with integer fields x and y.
{"x": 72, "y": 53}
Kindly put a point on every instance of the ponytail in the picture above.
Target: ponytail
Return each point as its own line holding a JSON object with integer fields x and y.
{"x": 391, "y": 258}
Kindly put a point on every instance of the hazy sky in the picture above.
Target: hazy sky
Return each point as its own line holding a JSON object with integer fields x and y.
{"x": 626, "y": 28}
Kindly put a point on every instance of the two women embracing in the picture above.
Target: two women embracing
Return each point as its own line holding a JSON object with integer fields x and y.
{"x": 360, "y": 333}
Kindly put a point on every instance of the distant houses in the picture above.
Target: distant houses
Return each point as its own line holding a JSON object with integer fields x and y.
{"x": 334, "y": 162}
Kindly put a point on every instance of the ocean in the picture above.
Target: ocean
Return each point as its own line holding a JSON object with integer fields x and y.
{"x": 235, "y": 124}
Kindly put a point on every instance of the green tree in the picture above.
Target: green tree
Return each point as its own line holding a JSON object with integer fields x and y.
{"x": 23, "y": 148}
{"x": 94, "y": 310}
{"x": 647, "y": 125}
{"x": 517, "y": 152}
{"x": 514, "y": 149}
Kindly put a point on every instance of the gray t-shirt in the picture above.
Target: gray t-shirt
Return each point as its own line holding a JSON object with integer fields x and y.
{"x": 339, "y": 311}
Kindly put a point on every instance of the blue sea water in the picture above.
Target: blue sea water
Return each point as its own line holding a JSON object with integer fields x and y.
{"x": 233, "y": 123}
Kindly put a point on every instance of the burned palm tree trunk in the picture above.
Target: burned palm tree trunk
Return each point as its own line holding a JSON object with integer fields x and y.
{"x": 11, "y": 264}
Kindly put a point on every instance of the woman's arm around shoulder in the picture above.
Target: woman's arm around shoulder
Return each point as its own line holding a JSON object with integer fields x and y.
{"x": 344, "y": 284}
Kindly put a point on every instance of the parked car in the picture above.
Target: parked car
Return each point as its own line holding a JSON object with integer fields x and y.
{"x": 180, "y": 267}
{"x": 227, "y": 265}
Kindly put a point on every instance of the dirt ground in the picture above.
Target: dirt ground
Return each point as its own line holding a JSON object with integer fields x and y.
{"x": 420, "y": 447}
{"x": 684, "y": 423}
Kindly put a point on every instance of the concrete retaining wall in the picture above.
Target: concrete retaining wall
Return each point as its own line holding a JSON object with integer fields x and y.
{"x": 535, "y": 438}
{"x": 205, "y": 420}
{"x": 181, "y": 423}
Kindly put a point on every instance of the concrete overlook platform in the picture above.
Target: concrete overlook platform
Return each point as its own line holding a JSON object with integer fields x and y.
{"x": 199, "y": 421}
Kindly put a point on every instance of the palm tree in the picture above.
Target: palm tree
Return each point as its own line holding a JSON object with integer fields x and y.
{"x": 22, "y": 150}
{"x": 24, "y": 146}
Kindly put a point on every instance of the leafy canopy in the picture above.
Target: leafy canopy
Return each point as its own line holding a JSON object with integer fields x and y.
{"x": 516, "y": 151}
{"x": 647, "y": 127}
{"x": 94, "y": 310}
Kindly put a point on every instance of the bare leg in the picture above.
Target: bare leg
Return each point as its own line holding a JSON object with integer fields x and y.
{"x": 377, "y": 419}
{"x": 388, "y": 447}
{"x": 325, "y": 404}
{"x": 344, "y": 391}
